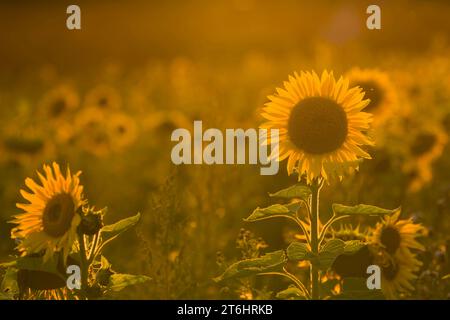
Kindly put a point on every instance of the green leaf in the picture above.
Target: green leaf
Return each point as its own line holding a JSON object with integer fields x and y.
{"x": 298, "y": 251}
{"x": 329, "y": 252}
{"x": 120, "y": 281}
{"x": 9, "y": 287}
{"x": 8, "y": 264}
{"x": 291, "y": 293}
{"x": 295, "y": 191}
{"x": 275, "y": 211}
{"x": 356, "y": 289}
{"x": 353, "y": 246}
{"x": 361, "y": 209}
{"x": 244, "y": 268}
{"x": 37, "y": 264}
{"x": 120, "y": 226}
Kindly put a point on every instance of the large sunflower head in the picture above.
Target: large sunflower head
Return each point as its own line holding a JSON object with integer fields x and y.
{"x": 321, "y": 126}
{"x": 50, "y": 219}
{"x": 397, "y": 273}
{"x": 398, "y": 236}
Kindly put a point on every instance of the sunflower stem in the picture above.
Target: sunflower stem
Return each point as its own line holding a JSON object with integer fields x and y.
{"x": 84, "y": 265}
{"x": 314, "y": 271}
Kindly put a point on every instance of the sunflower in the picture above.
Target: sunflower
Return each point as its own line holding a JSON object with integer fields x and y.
{"x": 122, "y": 130}
{"x": 103, "y": 97}
{"x": 378, "y": 88}
{"x": 397, "y": 236}
{"x": 59, "y": 103}
{"x": 93, "y": 132}
{"x": 50, "y": 219}
{"x": 425, "y": 147}
{"x": 321, "y": 126}
{"x": 397, "y": 273}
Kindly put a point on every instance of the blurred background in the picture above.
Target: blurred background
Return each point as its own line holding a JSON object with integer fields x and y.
{"x": 105, "y": 99}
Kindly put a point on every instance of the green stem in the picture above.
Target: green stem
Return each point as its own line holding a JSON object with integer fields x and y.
{"x": 314, "y": 271}
{"x": 84, "y": 265}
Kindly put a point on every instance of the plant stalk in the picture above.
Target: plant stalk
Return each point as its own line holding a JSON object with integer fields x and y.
{"x": 314, "y": 271}
{"x": 84, "y": 265}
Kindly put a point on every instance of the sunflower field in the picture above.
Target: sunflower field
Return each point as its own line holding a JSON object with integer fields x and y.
{"x": 87, "y": 182}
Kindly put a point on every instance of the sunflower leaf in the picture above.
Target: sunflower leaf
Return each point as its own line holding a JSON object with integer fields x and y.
{"x": 356, "y": 289}
{"x": 37, "y": 264}
{"x": 120, "y": 226}
{"x": 267, "y": 263}
{"x": 353, "y": 246}
{"x": 298, "y": 251}
{"x": 296, "y": 191}
{"x": 329, "y": 252}
{"x": 291, "y": 293}
{"x": 361, "y": 209}
{"x": 275, "y": 211}
{"x": 9, "y": 287}
{"x": 120, "y": 281}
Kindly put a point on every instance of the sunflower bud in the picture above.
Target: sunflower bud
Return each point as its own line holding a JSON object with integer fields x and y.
{"x": 91, "y": 223}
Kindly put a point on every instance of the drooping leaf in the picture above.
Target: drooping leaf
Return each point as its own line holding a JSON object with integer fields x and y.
{"x": 353, "y": 246}
{"x": 295, "y": 191}
{"x": 356, "y": 289}
{"x": 9, "y": 287}
{"x": 291, "y": 293}
{"x": 267, "y": 263}
{"x": 112, "y": 230}
{"x": 329, "y": 252}
{"x": 120, "y": 281}
{"x": 361, "y": 209}
{"x": 275, "y": 211}
{"x": 298, "y": 251}
{"x": 37, "y": 264}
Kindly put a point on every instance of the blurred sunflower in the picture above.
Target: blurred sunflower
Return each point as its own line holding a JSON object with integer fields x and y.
{"x": 59, "y": 103}
{"x": 166, "y": 121}
{"x": 24, "y": 144}
{"x": 321, "y": 126}
{"x": 425, "y": 147}
{"x": 397, "y": 236}
{"x": 50, "y": 219}
{"x": 397, "y": 273}
{"x": 103, "y": 97}
{"x": 93, "y": 134}
{"x": 122, "y": 130}
{"x": 378, "y": 88}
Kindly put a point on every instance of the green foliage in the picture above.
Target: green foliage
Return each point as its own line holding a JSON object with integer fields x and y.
{"x": 291, "y": 293}
{"x": 298, "y": 251}
{"x": 296, "y": 191}
{"x": 269, "y": 262}
{"x": 356, "y": 289}
{"x": 361, "y": 209}
{"x": 9, "y": 287}
{"x": 120, "y": 226}
{"x": 120, "y": 281}
{"x": 317, "y": 249}
{"x": 275, "y": 211}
